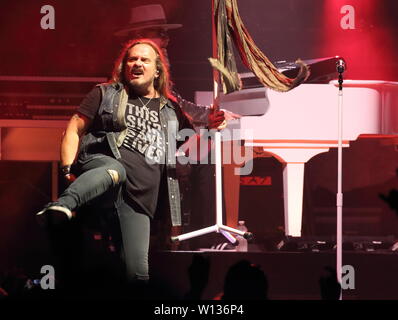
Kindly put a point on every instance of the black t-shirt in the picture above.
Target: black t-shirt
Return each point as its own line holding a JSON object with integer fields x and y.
{"x": 143, "y": 150}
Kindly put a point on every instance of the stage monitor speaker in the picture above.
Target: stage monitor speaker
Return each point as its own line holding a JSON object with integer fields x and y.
{"x": 261, "y": 199}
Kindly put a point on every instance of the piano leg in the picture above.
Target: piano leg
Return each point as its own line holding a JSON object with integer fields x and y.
{"x": 293, "y": 181}
{"x": 294, "y": 159}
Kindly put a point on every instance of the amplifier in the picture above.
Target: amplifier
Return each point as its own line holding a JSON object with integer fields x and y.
{"x": 43, "y": 98}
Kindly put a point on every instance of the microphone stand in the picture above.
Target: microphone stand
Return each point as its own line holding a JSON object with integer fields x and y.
{"x": 340, "y": 66}
{"x": 219, "y": 227}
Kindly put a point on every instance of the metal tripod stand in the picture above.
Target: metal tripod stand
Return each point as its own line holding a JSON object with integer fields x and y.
{"x": 219, "y": 227}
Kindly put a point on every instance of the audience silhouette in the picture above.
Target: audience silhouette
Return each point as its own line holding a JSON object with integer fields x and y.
{"x": 391, "y": 198}
{"x": 329, "y": 286}
{"x": 198, "y": 273}
{"x": 245, "y": 281}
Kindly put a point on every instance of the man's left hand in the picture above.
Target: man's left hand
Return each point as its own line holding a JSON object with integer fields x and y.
{"x": 229, "y": 115}
{"x": 217, "y": 119}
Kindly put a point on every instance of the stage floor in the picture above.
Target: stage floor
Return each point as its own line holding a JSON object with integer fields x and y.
{"x": 291, "y": 275}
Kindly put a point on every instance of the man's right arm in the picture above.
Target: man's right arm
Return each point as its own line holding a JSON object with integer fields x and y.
{"x": 77, "y": 126}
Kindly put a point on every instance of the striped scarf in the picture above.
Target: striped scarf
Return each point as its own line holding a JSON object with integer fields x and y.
{"x": 229, "y": 24}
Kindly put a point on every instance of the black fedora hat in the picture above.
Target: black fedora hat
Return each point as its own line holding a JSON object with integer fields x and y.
{"x": 145, "y": 17}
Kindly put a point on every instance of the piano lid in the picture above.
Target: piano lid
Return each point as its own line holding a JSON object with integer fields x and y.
{"x": 323, "y": 70}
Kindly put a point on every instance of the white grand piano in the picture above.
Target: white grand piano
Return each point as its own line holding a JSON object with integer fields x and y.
{"x": 297, "y": 125}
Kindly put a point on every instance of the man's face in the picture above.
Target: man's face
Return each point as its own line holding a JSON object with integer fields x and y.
{"x": 140, "y": 70}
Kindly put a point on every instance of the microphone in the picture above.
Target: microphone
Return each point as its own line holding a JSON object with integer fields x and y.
{"x": 340, "y": 65}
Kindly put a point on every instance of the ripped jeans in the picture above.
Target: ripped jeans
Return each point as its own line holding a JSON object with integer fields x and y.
{"x": 96, "y": 178}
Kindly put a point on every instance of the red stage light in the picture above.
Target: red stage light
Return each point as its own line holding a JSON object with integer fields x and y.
{"x": 358, "y": 31}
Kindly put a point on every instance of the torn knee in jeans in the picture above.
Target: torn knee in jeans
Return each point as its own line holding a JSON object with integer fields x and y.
{"x": 114, "y": 175}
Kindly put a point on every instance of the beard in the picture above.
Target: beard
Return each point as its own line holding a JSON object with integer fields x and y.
{"x": 141, "y": 86}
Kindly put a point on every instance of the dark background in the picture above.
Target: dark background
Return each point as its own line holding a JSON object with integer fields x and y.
{"x": 83, "y": 44}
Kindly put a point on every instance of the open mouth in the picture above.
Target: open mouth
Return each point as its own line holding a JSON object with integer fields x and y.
{"x": 137, "y": 73}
